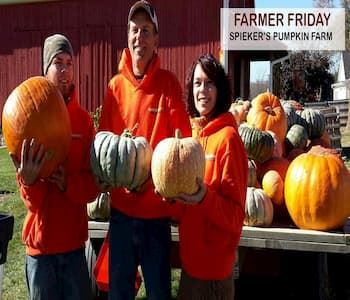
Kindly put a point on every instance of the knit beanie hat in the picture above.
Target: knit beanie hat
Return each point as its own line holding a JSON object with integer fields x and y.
{"x": 54, "y": 45}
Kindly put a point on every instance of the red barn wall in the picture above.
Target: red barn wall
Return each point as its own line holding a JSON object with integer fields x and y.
{"x": 98, "y": 32}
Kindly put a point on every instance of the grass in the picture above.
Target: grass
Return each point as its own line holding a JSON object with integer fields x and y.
{"x": 10, "y": 203}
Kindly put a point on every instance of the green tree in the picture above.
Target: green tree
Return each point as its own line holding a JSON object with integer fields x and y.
{"x": 306, "y": 77}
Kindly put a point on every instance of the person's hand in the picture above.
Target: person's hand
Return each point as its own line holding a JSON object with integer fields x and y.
{"x": 31, "y": 163}
{"x": 169, "y": 200}
{"x": 195, "y": 198}
{"x": 59, "y": 178}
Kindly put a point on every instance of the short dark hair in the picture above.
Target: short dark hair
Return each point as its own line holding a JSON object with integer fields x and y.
{"x": 215, "y": 71}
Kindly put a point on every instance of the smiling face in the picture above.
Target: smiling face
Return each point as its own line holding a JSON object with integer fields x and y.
{"x": 142, "y": 41}
{"x": 61, "y": 74}
{"x": 204, "y": 92}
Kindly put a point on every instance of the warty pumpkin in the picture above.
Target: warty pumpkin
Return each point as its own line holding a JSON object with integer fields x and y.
{"x": 258, "y": 208}
{"x": 36, "y": 109}
{"x": 121, "y": 161}
{"x": 176, "y": 163}
{"x": 317, "y": 190}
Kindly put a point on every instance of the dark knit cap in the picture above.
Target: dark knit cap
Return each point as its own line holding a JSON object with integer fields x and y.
{"x": 54, "y": 45}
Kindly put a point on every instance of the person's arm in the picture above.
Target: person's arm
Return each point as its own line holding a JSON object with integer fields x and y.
{"x": 81, "y": 186}
{"x": 33, "y": 190}
{"x": 224, "y": 201}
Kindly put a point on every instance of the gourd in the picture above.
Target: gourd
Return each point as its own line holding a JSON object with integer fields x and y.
{"x": 316, "y": 122}
{"x": 36, "y": 109}
{"x": 273, "y": 186}
{"x": 176, "y": 164}
{"x": 317, "y": 190}
{"x": 258, "y": 208}
{"x": 258, "y": 144}
{"x": 121, "y": 161}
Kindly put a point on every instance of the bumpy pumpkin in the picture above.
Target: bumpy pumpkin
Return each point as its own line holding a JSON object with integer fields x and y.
{"x": 176, "y": 163}
{"x": 121, "y": 161}
{"x": 267, "y": 113}
{"x": 36, "y": 109}
{"x": 258, "y": 208}
{"x": 317, "y": 190}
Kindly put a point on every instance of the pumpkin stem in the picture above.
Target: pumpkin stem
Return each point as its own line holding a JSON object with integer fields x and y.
{"x": 178, "y": 133}
{"x": 268, "y": 109}
{"x": 129, "y": 133}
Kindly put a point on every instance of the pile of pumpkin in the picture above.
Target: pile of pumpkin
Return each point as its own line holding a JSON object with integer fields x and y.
{"x": 291, "y": 165}
{"x": 293, "y": 171}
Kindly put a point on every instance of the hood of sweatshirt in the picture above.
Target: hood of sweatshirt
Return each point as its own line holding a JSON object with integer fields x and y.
{"x": 125, "y": 68}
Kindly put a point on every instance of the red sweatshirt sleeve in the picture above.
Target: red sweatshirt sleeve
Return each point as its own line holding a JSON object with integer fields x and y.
{"x": 225, "y": 208}
{"x": 33, "y": 195}
{"x": 81, "y": 185}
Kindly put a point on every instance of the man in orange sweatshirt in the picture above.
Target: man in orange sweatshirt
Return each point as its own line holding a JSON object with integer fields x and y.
{"x": 148, "y": 101}
{"x": 56, "y": 226}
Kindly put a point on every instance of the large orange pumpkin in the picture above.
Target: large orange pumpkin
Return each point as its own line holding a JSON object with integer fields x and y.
{"x": 36, "y": 109}
{"x": 317, "y": 190}
{"x": 267, "y": 113}
{"x": 176, "y": 163}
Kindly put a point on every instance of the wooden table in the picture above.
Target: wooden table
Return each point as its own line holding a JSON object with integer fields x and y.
{"x": 284, "y": 238}
{"x": 280, "y": 238}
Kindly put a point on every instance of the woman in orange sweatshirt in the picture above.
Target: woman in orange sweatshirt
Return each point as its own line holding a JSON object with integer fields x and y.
{"x": 210, "y": 222}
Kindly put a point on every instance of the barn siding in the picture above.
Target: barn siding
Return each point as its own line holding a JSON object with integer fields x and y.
{"x": 97, "y": 30}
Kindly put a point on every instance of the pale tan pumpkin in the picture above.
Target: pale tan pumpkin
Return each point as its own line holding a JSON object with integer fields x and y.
{"x": 258, "y": 208}
{"x": 176, "y": 163}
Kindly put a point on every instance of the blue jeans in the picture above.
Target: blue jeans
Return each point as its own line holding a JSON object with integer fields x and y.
{"x": 58, "y": 277}
{"x": 136, "y": 242}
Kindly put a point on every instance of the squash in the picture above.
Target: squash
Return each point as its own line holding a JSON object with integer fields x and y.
{"x": 252, "y": 177}
{"x": 317, "y": 190}
{"x": 258, "y": 208}
{"x": 267, "y": 113}
{"x": 273, "y": 186}
{"x": 176, "y": 164}
{"x": 121, "y": 161}
{"x": 258, "y": 144}
{"x": 296, "y": 137}
{"x": 316, "y": 122}
{"x": 36, "y": 109}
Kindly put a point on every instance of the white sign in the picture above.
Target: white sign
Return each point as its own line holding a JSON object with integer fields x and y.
{"x": 283, "y": 29}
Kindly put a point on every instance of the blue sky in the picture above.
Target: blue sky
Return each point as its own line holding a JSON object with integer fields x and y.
{"x": 261, "y": 70}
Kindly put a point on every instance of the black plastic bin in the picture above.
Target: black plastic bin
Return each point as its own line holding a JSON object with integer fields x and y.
{"x": 6, "y": 231}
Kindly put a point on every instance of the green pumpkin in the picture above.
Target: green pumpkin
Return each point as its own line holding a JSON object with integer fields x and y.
{"x": 258, "y": 208}
{"x": 121, "y": 161}
{"x": 258, "y": 144}
{"x": 316, "y": 122}
{"x": 296, "y": 137}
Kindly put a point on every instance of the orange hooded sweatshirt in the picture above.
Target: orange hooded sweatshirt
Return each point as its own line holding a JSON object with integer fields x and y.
{"x": 152, "y": 108}
{"x": 210, "y": 231}
{"x": 56, "y": 221}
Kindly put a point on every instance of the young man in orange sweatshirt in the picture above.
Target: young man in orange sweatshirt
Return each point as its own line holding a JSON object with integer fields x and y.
{"x": 56, "y": 226}
{"x": 148, "y": 101}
